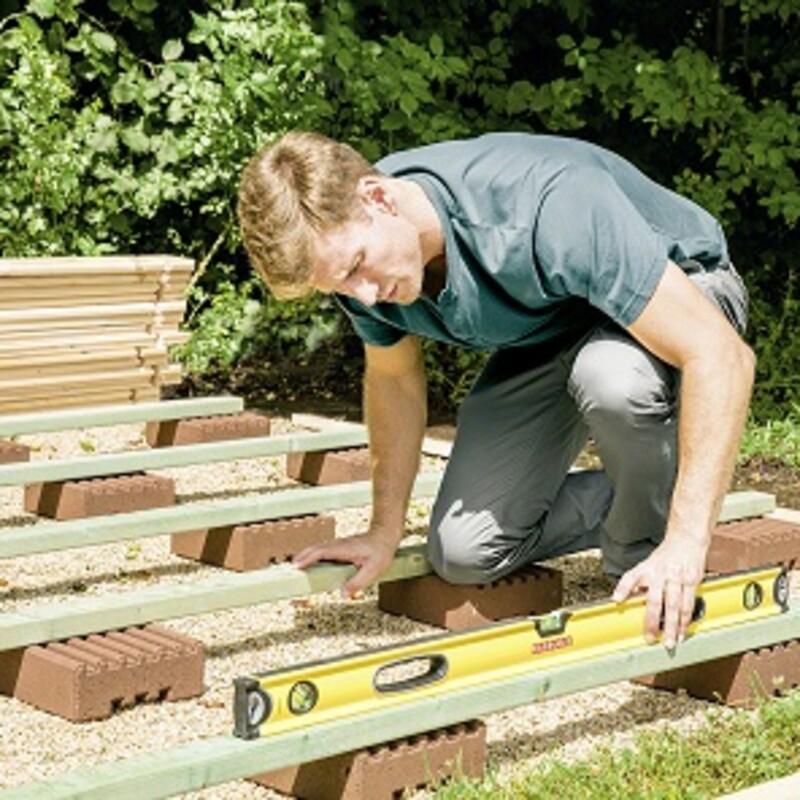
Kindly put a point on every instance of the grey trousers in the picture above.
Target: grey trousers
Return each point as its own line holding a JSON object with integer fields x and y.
{"x": 508, "y": 498}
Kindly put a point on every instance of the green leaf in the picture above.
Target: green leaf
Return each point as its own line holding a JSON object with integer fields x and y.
{"x": 103, "y": 41}
{"x": 124, "y": 90}
{"x": 136, "y": 140}
{"x": 172, "y": 50}
{"x": 565, "y": 41}
{"x": 42, "y": 8}
{"x": 436, "y": 45}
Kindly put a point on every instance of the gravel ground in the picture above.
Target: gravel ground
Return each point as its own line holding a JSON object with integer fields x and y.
{"x": 36, "y": 745}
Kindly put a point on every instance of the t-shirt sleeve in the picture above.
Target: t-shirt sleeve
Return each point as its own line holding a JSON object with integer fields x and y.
{"x": 590, "y": 241}
{"x": 370, "y": 330}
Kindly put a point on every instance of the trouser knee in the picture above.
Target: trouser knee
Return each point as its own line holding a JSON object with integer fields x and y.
{"x": 460, "y": 546}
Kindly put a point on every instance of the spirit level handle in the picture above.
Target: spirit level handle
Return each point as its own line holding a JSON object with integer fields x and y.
{"x": 405, "y": 674}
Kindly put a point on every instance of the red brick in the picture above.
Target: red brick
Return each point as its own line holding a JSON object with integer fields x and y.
{"x": 382, "y": 773}
{"x": 91, "y": 677}
{"x": 738, "y": 680}
{"x": 331, "y": 466}
{"x": 248, "y": 547}
{"x": 533, "y": 590}
{"x": 13, "y": 452}
{"x": 753, "y": 543}
{"x": 94, "y": 497}
{"x": 207, "y": 429}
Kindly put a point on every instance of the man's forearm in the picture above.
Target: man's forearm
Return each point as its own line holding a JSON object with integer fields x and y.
{"x": 395, "y": 408}
{"x": 713, "y": 409}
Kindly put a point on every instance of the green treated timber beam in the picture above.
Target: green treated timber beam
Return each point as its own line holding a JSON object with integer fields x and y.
{"x": 219, "y": 760}
{"x": 54, "y": 536}
{"x": 99, "y": 416}
{"x": 177, "y": 456}
{"x": 743, "y": 505}
{"x": 223, "y": 591}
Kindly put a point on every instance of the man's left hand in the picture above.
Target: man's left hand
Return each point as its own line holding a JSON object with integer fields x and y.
{"x": 670, "y": 575}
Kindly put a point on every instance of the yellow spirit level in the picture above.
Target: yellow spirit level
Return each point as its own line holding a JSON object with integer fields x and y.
{"x": 319, "y": 691}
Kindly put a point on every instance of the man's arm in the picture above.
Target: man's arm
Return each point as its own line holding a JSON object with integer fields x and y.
{"x": 682, "y": 327}
{"x": 395, "y": 405}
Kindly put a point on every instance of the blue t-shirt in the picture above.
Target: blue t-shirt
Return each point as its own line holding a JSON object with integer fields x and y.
{"x": 544, "y": 237}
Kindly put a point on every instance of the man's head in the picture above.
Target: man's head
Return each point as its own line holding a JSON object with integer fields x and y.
{"x": 315, "y": 215}
{"x": 301, "y": 185}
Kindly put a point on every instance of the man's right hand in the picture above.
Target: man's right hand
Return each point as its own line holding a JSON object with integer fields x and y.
{"x": 370, "y": 554}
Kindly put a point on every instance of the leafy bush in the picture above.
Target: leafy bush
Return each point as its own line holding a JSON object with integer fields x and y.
{"x": 124, "y": 125}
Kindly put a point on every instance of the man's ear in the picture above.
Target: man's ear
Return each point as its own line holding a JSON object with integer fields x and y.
{"x": 375, "y": 194}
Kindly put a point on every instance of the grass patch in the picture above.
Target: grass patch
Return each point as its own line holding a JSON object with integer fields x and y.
{"x": 729, "y": 753}
{"x": 776, "y": 440}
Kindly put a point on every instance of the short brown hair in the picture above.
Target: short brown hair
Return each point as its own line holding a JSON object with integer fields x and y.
{"x": 301, "y": 184}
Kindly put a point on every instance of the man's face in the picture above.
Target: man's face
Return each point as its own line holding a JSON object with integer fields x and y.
{"x": 376, "y": 258}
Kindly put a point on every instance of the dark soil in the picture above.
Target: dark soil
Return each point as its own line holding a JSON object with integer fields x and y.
{"x": 774, "y": 477}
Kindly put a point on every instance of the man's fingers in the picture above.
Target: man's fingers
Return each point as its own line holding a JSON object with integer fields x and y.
{"x": 673, "y": 604}
{"x": 321, "y": 552}
{"x": 627, "y": 584}
{"x": 306, "y": 557}
{"x": 653, "y": 610}
{"x": 687, "y": 610}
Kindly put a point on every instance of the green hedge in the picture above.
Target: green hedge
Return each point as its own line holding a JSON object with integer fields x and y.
{"x": 124, "y": 126}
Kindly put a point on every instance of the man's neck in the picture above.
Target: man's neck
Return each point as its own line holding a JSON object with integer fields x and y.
{"x": 417, "y": 208}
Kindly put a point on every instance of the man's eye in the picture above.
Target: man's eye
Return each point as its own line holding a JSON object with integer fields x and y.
{"x": 355, "y": 267}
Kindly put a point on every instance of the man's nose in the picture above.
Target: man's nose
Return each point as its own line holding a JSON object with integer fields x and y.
{"x": 365, "y": 292}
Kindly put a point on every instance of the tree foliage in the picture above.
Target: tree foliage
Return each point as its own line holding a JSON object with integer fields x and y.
{"x": 124, "y": 126}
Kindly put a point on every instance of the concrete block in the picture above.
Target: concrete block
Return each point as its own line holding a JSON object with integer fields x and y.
{"x": 248, "y": 547}
{"x": 92, "y": 677}
{"x": 534, "y": 590}
{"x": 738, "y": 680}
{"x": 386, "y": 771}
{"x": 13, "y": 452}
{"x": 751, "y": 543}
{"x": 94, "y": 497}
{"x": 329, "y": 467}
{"x": 207, "y": 429}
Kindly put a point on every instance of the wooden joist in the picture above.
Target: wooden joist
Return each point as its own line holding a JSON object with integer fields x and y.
{"x": 47, "y": 470}
{"x": 86, "y": 615}
{"x": 53, "y": 536}
{"x": 101, "y": 415}
{"x": 210, "y": 762}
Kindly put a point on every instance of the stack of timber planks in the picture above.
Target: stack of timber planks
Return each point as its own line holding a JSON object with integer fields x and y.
{"x": 86, "y": 331}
